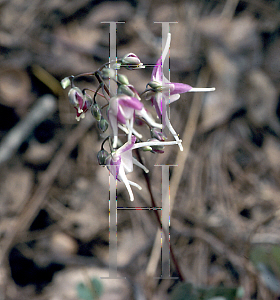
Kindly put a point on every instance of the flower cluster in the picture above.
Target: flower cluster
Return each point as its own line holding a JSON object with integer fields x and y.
{"x": 124, "y": 108}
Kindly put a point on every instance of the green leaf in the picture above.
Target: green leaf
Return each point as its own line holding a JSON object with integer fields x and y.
{"x": 92, "y": 292}
{"x": 266, "y": 259}
{"x": 184, "y": 291}
{"x": 218, "y": 292}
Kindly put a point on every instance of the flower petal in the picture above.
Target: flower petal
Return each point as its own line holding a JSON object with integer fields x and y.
{"x": 127, "y": 146}
{"x": 156, "y": 74}
{"x": 179, "y": 88}
{"x": 156, "y": 102}
{"x": 115, "y": 163}
{"x": 124, "y": 114}
{"x": 127, "y": 161}
{"x": 155, "y": 143}
{"x": 124, "y": 179}
{"x": 130, "y": 102}
{"x": 143, "y": 113}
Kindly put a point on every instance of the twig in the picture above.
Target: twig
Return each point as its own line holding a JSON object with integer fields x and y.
{"x": 16, "y": 136}
{"x": 255, "y": 228}
{"x": 36, "y": 201}
{"x": 229, "y": 9}
{"x": 239, "y": 262}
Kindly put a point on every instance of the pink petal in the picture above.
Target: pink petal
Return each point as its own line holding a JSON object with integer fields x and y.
{"x": 80, "y": 100}
{"x": 127, "y": 146}
{"x": 155, "y": 104}
{"x": 115, "y": 163}
{"x": 156, "y": 74}
{"x": 121, "y": 117}
{"x": 179, "y": 88}
{"x": 130, "y": 102}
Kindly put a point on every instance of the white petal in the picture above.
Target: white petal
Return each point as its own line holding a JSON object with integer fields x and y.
{"x": 173, "y": 132}
{"x": 127, "y": 161}
{"x": 135, "y": 184}
{"x": 166, "y": 48}
{"x": 143, "y": 113}
{"x": 156, "y": 143}
{"x": 124, "y": 179}
{"x": 202, "y": 90}
{"x": 137, "y": 163}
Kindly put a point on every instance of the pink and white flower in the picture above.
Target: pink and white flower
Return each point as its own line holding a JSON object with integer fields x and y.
{"x": 166, "y": 92}
{"x": 122, "y": 111}
{"x": 81, "y": 102}
{"x": 121, "y": 161}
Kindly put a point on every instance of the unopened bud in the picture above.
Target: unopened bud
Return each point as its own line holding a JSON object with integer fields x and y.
{"x": 155, "y": 85}
{"x": 147, "y": 148}
{"x": 156, "y": 148}
{"x": 96, "y": 112}
{"x": 65, "y": 82}
{"x": 122, "y": 79}
{"x": 131, "y": 59}
{"x": 124, "y": 89}
{"x": 158, "y": 135}
{"x": 108, "y": 73}
{"x": 102, "y": 156}
{"x": 103, "y": 124}
{"x": 116, "y": 66}
{"x": 88, "y": 100}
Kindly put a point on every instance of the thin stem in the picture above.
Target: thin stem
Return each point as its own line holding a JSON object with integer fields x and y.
{"x": 108, "y": 63}
{"x": 104, "y": 105}
{"x": 106, "y": 139}
{"x": 147, "y": 90}
{"x": 95, "y": 93}
{"x": 100, "y": 80}
{"x": 103, "y": 91}
{"x": 148, "y": 182}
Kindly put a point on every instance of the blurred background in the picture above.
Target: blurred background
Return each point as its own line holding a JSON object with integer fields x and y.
{"x": 225, "y": 226}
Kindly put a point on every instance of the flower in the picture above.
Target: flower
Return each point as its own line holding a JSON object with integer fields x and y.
{"x": 131, "y": 61}
{"x": 121, "y": 110}
{"x": 165, "y": 92}
{"x": 81, "y": 102}
{"x": 160, "y": 84}
{"x": 120, "y": 162}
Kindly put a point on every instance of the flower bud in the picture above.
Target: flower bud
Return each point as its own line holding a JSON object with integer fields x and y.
{"x": 65, "y": 82}
{"x": 103, "y": 124}
{"x": 157, "y": 86}
{"x": 88, "y": 100}
{"x": 75, "y": 96}
{"x": 124, "y": 89}
{"x": 108, "y": 73}
{"x": 96, "y": 112}
{"x": 116, "y": 66}
{"x": 146, "y": 148}
{"x": 102, "y": 156}
{"x": 131, "y": 59}
{"x": 158, "y": 135}
{"x": 122, "y": 79}
{"x": 156, "y": 148}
